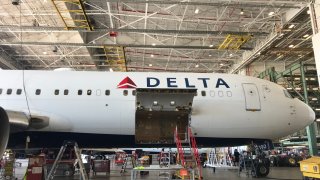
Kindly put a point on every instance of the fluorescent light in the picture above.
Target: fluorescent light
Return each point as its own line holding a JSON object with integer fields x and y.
{"x": 197, "y": 65}
{"x": 312, "y": 79}
{"x": 298, "y": 89}
{"x": 317, "y": 109}
{"x": 196, "y": 11}
{"x": 211, "y": 45}
{"x": 297, "y": 78}
{"x": 314, "y": 89}
{"x": 152, "y": 55}
{"x": 289, "y": 88}
{"x": 150, "y": 65}
{"x": 305, "y": 36}
{"x": 314, "y": 99}
{"x": 153, "y": 44}
{"x": 271, "y": 13}
{"x": 241, "y": 12}
{"x": 291, "y": 46}
{"x": 291, "y": 26}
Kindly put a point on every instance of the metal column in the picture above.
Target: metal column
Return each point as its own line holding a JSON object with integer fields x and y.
{"x": 312, "y": 140}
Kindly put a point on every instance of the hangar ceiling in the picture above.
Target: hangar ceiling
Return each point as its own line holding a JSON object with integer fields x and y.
{"x": 140, "y": 35}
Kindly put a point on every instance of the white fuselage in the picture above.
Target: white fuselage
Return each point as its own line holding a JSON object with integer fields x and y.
{"x": 249, "y": 108}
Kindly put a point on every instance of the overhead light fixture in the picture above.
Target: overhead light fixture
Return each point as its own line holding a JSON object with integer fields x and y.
{"x": 221, "y": 64}
{"x": 153, "y": 44}
{"x": 111, "y": 70}
{"x": 151, "y": 55}
{"x": 305, "y": 36}
{"x": 271, "y": 13}
{"x": 291, "y": 46}
{"x": 150, "y": 65}
{"x": 241, "y": 12}
{"x": 317, "y": 109}
{"x": 211, "y": 45}
{"x": 172, "y": 103}
{"x": 291, "y": 26}
{"x": 196, "y": 11}
{"x": 155, "y": 103}
{"x": 315, "y": 89}
{"x": 197, "y": 65}
{"x": 289, "y": 88}
{"x": 231, "y": 55}
{"x": 308, "y": 12}
{"x": 44, "y": 52}
{"x": 210, "y": 55}
{"x": 314, "y": 99}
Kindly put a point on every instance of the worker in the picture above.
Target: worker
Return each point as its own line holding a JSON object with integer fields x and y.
{"x": 236, "y": 155}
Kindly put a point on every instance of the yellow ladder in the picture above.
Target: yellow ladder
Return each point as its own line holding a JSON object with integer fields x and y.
{"x": 72, "y": 13}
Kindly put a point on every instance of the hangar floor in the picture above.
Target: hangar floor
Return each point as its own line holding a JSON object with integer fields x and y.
{"x": 277, "y": 173}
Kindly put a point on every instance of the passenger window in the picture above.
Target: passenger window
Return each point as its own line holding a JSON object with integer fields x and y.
{"x": 9, "y": 91}
{"x": 287, "y": 94}
{"x": 38, "y": 91}
{"x": 212, "y": 93}
{"x": 19, "y": 91}
{"x": 0, "y": 91}
{"x": 56, "y": 92}
{"x": 66, "y": 92}
{"x": 98, "y": 92}
{"x": 79, "y": 92}
{"x": 134, "y": 92}
{"x": 107, "y": 92}
{"x": 229, "y": 93}
{"x": 220, "y": 93}
{"x": 125, "y": 92}
{"x": 89, "y": 92}
{"x": 203, "y": 93}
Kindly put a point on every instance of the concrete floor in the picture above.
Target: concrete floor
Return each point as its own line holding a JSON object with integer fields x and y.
{"x": 277, "y": 173}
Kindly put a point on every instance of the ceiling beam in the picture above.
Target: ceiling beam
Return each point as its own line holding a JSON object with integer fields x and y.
{"x": 4, "y": 28}
{"x": 235, "y": 4}
{"x": 124, "y": 45}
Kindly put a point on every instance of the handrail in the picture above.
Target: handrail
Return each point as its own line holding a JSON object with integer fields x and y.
{"x": 179, "y": 147}
{"x": 195, "y": 151}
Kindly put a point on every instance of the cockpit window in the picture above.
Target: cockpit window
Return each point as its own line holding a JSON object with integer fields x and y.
{"x": 287, "y": 94}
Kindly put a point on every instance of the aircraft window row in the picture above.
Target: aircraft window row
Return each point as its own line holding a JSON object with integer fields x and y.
{"x": 219, "y": 93}
{"x": 10, "y": 91}
{"x": 89, "y": 92}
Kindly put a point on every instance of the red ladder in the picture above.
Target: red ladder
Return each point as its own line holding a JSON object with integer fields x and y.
{"x": 195, "y": 151}
{"x": 179, "y": 147}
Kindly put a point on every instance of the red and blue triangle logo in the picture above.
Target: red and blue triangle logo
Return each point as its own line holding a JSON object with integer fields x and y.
{"x": 127, "y": 83}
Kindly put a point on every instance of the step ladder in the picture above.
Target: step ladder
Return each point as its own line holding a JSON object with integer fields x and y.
{"x": 188, "y": 152}
{"x": 83, "y": 174}
{"x": 128, "y": 158}
{"x": 246, "y": 164}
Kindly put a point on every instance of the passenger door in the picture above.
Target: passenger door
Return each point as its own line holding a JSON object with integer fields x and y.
{"x": 252, "y": 98}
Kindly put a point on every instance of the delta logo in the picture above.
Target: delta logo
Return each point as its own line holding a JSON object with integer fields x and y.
{"x": 127, "y": 83}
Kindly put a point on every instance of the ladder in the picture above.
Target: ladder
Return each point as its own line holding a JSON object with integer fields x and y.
{"x": 189, "y": 152}
{"x": 83, "y": 174}
{"x": 124, "y": 165}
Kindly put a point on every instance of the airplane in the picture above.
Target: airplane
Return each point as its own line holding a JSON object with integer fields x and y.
{"x": 142, "y": 109}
